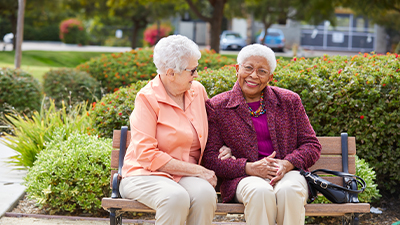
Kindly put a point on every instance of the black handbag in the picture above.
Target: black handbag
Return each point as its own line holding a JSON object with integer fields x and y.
{"x": 333, "y": 192}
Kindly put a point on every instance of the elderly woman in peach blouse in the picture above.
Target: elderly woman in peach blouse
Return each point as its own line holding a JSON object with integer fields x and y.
{"x": 169, "y": 131}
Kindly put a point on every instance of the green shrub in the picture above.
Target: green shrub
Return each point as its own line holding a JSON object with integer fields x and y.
{"x": 19, "y": 90}
{"x": 42, "y": 33}
{"x": 71, "y": 176}
{"x": 71, "y": 86}
{"x": 31, "y": 133}
{"x": 364, "y": 171}
{"x": 217, "y": 81}
{"x": 72, "y": 31}
{"x": 113, "y": 110}
{"x": 122, "y": 69}
{"x": 358, "y": 95}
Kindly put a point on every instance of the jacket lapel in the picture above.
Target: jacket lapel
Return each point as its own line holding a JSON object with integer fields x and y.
{"x": 238, "y": 103}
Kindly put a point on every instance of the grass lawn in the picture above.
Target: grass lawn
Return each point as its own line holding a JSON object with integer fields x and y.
{"x": 39, "y": 62}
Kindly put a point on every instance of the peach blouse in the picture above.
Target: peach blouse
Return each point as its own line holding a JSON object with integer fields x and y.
{"x": 161, "y": 130}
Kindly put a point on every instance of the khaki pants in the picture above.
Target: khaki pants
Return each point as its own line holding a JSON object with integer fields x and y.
{"x": 192, "y": 199}
{"x": 283, "y": 203}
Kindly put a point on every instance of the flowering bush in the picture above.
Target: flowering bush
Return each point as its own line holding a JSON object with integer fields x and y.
{"x": 358, "y": 95}
{"x": 151, "y": 33}
{"x": 113, "y": 110}
{"x": 122, "y": 69}
{"x": 72, "y": 32}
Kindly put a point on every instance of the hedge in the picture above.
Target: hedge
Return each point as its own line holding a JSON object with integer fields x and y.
{"x": 358, "y": 95}
{"x": 122, "y": 69}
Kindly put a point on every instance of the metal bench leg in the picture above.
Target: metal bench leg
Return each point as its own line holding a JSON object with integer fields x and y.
{"x": 114, "y": 218}
{"x": 351, "y": 219}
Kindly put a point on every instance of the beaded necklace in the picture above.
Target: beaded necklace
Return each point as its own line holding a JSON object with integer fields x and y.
{"x": 261, "y": 110}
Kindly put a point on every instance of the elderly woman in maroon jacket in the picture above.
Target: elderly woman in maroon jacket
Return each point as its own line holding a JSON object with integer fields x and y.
{"x": 270, "y": 137}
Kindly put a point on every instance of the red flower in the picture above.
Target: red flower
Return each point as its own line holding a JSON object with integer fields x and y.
{"x": 315, "y": 66}
{"x": 340, "y": 71}
{"x": 384, "y": 85}
{"x": 361, "y": 117}
{"x": 120, "y": 114}
{"x": 275, "y": 81}
{"x": 294, "y": 58}
{"x": 103, "y": 104}
{"x": 205, "y": 67}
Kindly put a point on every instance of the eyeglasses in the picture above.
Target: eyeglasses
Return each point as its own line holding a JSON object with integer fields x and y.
{"x": 260, "y": 72}
{"x": 192, "y": 71}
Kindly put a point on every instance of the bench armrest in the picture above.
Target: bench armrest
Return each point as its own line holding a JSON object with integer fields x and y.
{"x": 115, "y": 186}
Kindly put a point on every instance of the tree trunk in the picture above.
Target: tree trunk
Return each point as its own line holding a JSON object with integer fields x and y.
{"x": 138, "y": 24}
{"x": 20, "y": 33}
{"x": 135, "y": 32}
{"x": 216, "y": 23}
{"x": 266, "y": 26}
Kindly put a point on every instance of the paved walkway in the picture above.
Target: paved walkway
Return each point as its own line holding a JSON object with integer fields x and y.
{"x": 59, "y": 46}
{"x": 11, "y": 189}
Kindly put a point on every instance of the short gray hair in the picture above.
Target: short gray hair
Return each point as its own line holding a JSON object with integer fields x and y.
{"x": 258, "y": 50}
{"x": 174, "y": 52}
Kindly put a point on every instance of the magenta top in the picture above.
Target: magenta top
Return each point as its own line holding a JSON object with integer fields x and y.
{"x": 260, "y": 124}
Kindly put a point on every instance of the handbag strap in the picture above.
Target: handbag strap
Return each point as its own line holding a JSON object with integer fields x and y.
{"x": 342, "y": 174}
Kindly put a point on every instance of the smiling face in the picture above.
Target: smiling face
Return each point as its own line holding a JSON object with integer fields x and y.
{"x": 252, "y": 84}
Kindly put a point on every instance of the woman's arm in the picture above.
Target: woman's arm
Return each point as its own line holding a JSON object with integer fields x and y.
{"x": 308, "y": 147}
{"x": 181, "y": 168}
{"x": 228, "y": 168}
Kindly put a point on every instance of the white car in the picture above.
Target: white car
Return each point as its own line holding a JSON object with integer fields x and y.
{"x": 231, "y": 40}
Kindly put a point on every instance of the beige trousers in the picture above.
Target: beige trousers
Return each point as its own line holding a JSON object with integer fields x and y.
{"x": 192, "y": 199}
{"x": 282, "y": 204}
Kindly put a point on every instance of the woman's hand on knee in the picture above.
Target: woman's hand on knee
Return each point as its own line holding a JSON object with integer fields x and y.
{"x": 284, "y": 167}
{"x": 265, "y": 168}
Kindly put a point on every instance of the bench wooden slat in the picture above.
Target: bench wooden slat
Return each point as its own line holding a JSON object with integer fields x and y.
{"x": 330, "y": 145}
{"x": 333, "y": 145}
{"x": 117, "y": 138}
{"x": 237, "y": 208}
{"x": 334, "y": 163}
{"x": 326, "y": 162}
{"x": 112, "y": 175}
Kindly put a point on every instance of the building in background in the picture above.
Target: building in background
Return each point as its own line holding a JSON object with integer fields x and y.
{"x": 351, "y": 33}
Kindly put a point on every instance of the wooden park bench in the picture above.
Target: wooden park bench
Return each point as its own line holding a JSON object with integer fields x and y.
{"x": 338, "y": 153}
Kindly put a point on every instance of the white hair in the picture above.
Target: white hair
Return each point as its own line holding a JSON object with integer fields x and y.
{"x": 174, "y": 52}
{"x": 258, "y": 50}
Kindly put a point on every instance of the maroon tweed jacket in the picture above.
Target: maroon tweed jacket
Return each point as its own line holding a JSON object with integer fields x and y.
{"x": 230, "y": 124}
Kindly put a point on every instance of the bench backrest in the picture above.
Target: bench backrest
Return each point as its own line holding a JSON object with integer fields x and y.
{"x": 331, "y": 155}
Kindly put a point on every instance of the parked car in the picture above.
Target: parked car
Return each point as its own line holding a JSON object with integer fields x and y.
{"x": 274, "y": 39}
{"x": 231, "y": 40}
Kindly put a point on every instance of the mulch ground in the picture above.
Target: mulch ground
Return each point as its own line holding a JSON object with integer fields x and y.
{"x": 390, "y": 207}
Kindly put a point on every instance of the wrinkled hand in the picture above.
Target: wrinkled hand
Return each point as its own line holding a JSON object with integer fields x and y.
{"x": 225, "y": 153}
{"x": 209, "y": 176}
{"x": 284, "y": 167}
{"x": 265, "y": 168}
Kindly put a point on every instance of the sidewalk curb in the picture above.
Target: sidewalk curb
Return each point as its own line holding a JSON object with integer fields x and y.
{"x": 41, "y": 216}
{"x": 13, "y": 204}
